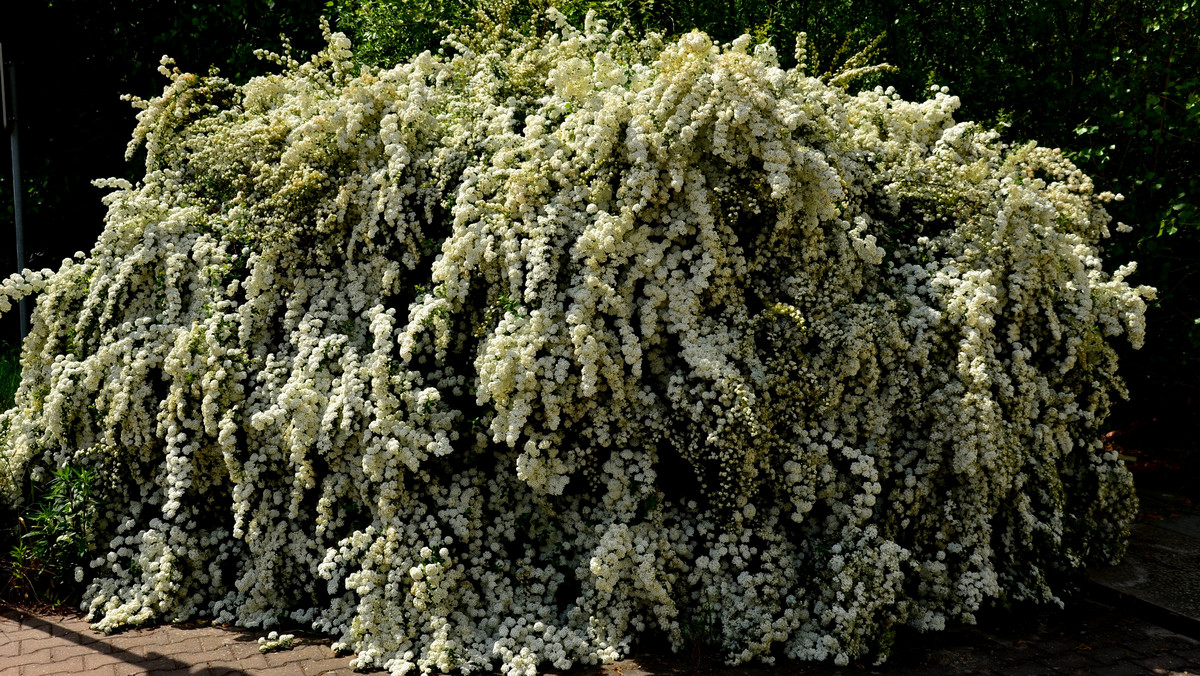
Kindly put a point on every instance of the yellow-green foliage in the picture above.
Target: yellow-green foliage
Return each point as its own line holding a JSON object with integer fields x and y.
{"x": 510, "y": 355}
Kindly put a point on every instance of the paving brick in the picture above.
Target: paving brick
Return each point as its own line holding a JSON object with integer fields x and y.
{"x": 254, "y": 661}
{"x": 314, "y": 651}
{"x": 1141, "y": 648}
{"x": 1164, "y": 662}
{"x": 66, "y": 650}
{"x": 244, "y": 654}
{"x": 283, "y": 658}
{"x": 626, "y": 668}
{"x": 1082, "y": 656}
{"x": 196, "y": 657}
{"x": 92, "y": 640}
{"x": 129, "y": 669}
{"x": 1112, "y": 653}
{"x": 143, "y": 645}
{"x": 39, "y": 643}
{"x": 216, "y": 646}
{"x": 58, "y": 627}
{"x": 215, "y": 640}
{"x": 96, "y": 661}
{"x": 1122, "y": 669}
{"x": 33, "y": 622}
{"x": 221, "y": 657}
{"x": 964, "y": 660}
{"x": 9, "y": 648}
{"x": 72, "y": 665}
{"x": 1027, "y": 669}
{"x": 187, "y": 646}
{"x": 133, "y": 638}
{"x": 288, "y": 670}
{"x": 158, "y": 662}
{"x": 1155, "y": 647}
{"x": 9, "y": 627}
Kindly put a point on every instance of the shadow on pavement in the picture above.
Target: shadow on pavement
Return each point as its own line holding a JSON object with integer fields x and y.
{"x": 153, "y": 661}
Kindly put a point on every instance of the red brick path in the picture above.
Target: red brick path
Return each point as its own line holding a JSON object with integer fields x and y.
{"x": 1088, "y": 638}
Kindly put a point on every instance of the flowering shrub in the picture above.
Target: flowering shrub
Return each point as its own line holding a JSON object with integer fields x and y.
{"x": 509, "y": 356}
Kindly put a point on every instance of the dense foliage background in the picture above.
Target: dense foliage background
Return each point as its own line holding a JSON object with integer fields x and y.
{"x": 1113, "y": 82}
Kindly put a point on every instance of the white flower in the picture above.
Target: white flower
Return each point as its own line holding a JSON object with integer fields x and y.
{"x": 501, "y": 359}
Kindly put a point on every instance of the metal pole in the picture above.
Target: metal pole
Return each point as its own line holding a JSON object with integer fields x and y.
{"x": 11, "y": 122}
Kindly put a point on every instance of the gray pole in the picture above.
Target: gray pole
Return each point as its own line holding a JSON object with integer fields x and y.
{"x": 15, "y": 144}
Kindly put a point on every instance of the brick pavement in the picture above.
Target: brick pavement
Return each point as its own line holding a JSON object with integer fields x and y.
{"x": 1088, "y": 638}
{"x": 65, "y": 644}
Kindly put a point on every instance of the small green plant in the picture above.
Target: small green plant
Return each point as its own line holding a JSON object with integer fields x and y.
{"x": 509, "y": 304}
{"x": 699, "y": 632}
{"x": 10, "y": 375}
{"x": 52, "y": 537}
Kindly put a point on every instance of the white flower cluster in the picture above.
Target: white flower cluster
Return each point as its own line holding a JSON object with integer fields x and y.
{"x": 510, "y": 355}
{"x": 275, "y": 642}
